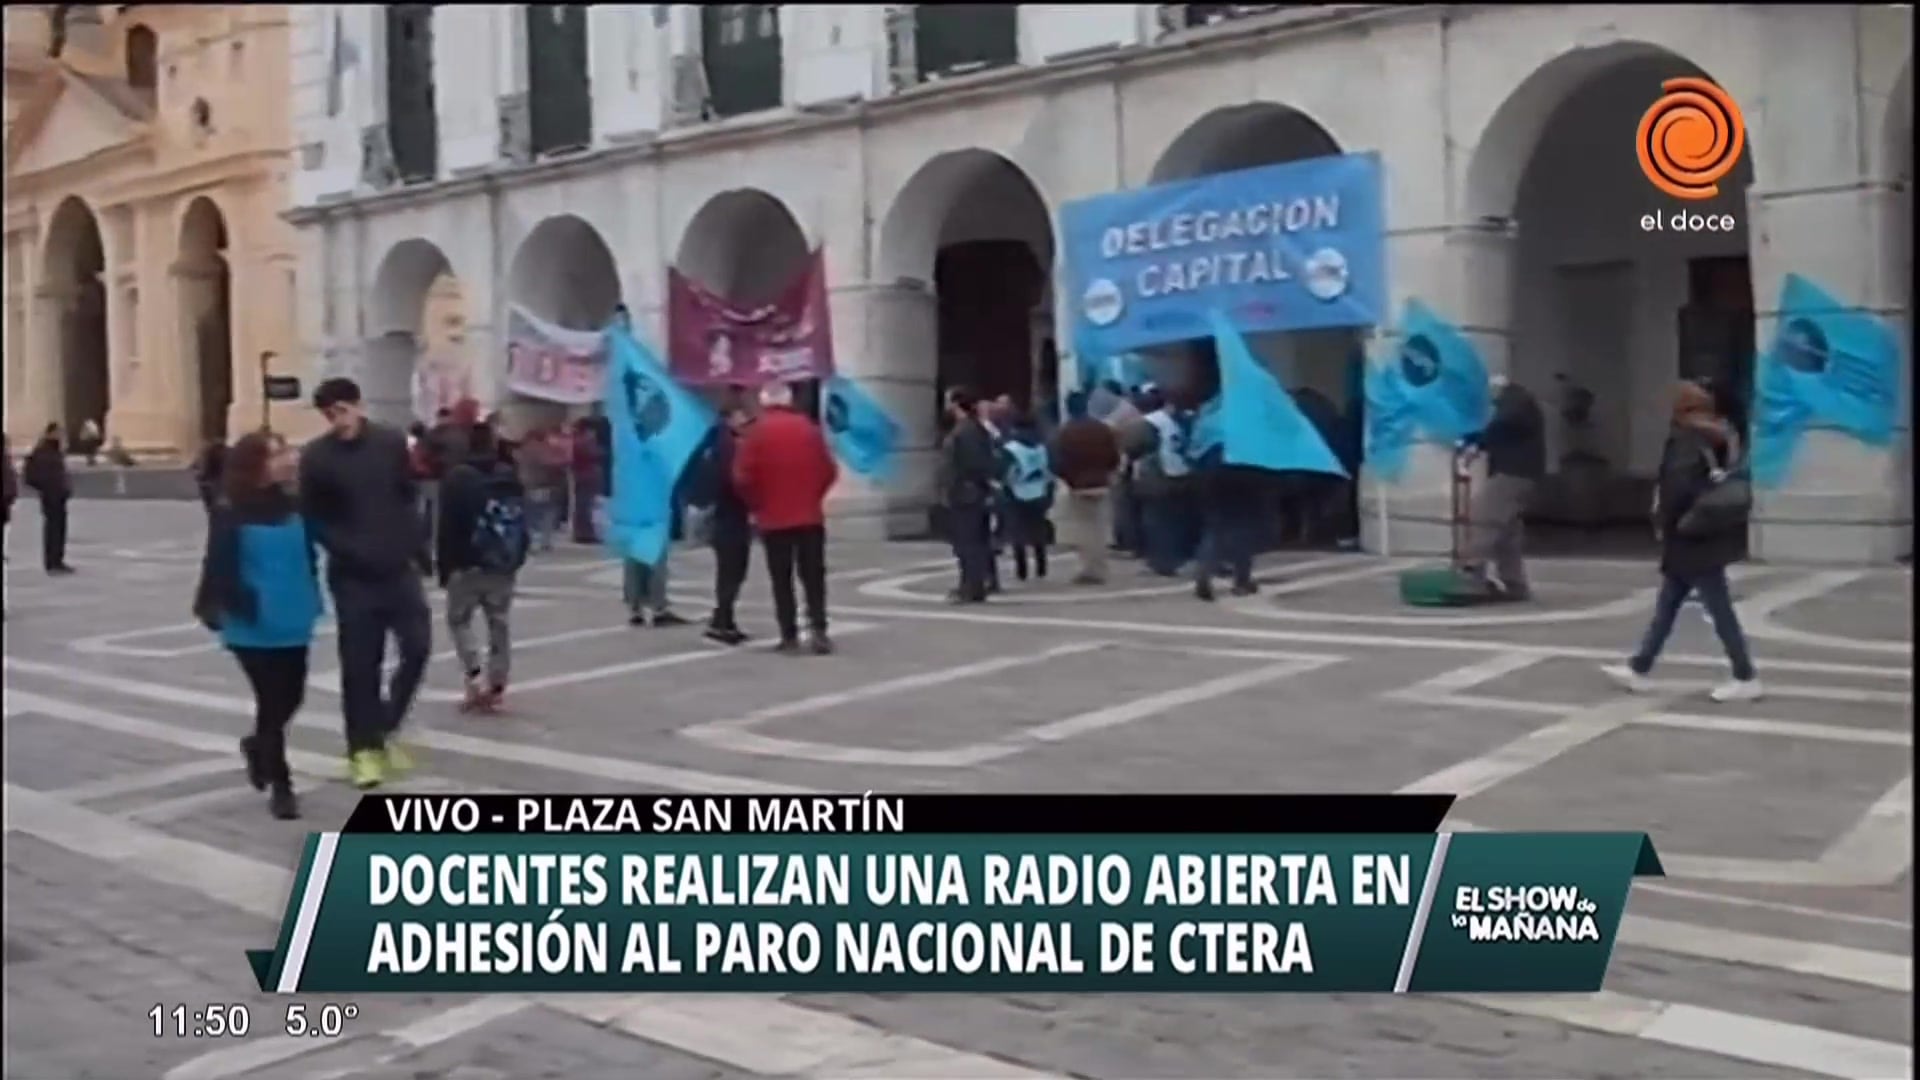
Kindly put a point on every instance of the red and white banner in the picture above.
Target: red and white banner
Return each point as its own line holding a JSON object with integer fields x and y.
{"x": 554, "y": 363}
{"x": 713, "y": 341}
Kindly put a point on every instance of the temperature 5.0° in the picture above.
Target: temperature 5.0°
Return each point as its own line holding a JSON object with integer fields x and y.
{"x": 321, "y": 1022}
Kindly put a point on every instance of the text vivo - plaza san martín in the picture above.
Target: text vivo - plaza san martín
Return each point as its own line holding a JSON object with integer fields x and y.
{"x": 1189, "y": 269}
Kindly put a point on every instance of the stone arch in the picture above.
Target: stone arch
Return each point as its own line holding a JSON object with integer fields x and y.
{"x": 743, "y": 244}
{"x": 203, "y": 294}
{"x": 72, "y": 311}
{"x": 1318, "y": 366}
{"x": 565, "y": 273}
{"x": 1242, "y": 137}
{"x": 413, "y": 284}
{"x": 1605, "y": 312}
{"x": 975, "y": 227}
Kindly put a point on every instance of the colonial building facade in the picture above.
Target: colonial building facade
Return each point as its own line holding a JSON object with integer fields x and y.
{"x": 563, "y": 157}
{"x": 149, "y": 276}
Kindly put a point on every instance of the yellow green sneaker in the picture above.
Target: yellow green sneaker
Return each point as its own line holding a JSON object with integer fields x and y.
{"x": 398, "y": 759}
{"x": 366, "y": 768}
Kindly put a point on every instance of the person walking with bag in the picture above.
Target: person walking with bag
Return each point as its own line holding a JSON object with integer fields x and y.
{"x": 1700, "y": 513}
{"x": 260, "y": 592}
{"x": 481, "y": 542}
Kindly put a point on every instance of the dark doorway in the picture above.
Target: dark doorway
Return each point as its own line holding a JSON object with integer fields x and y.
{"x": 987, "y": 291}
{"x": 412, "y": 126}
{"x": 76, "y": 263}
{"x": 206, "y": 316}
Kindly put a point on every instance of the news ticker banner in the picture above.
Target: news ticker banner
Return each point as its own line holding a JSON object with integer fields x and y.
{"x": 1203, "y": 894}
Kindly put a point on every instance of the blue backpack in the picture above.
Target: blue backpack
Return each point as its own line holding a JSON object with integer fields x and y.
{"x": 1029, "y": 480}
{"x": 501, "y": 539}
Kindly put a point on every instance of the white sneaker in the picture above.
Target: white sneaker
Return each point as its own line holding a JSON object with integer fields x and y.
{"x": 1626, "y": 678}
{"x": 1738, "y": 690}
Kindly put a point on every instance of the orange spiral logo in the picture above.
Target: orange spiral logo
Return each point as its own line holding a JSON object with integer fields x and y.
{"x": 1691, "y": 138}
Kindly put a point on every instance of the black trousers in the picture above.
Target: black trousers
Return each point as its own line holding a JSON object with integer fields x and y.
{"x": 365, "y": 613}
{"x": 970, "y": 531}
{"x": 279, "y": 681}
{"x": 732, "y": 549}
{"x": 1026, "y": 532}
{"x": 805, "y": 550}
{"x": 53, "y": 531}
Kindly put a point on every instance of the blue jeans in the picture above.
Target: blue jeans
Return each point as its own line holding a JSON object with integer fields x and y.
{"x": 1226, "y": 545}
{"x": 543, "y": 514}
{"x": 1718, "y": 599}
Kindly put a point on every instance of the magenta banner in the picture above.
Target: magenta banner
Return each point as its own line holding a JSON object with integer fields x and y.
{"x": 713, "y": 341}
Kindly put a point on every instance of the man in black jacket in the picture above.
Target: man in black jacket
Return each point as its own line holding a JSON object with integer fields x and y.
{"x": 45, "y": 472}
{"x": 358, "y": 495}
{"x": 1515, "y": 446}
{"x": 969, "y": 464}
{"x": 729, "y": 524}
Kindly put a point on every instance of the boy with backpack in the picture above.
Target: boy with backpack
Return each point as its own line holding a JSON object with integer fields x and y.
{"x": 1027, "y": 481}
{"x": 482, "y": 542}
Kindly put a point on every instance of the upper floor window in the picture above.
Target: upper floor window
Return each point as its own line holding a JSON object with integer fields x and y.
{"x": 559, "y": 92}
{"x": 955, "y": 39}
{"x": 740, "y": 49}
{"x": 143, "y": 59}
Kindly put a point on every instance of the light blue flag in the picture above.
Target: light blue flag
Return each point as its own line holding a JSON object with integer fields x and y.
{"x": 863, "y": 434}
{"x": 1830, "y": 366}
{"x": 1259, "y": 421}
{"x": 1434, "y": 387}
{"x": 658, "y": 428}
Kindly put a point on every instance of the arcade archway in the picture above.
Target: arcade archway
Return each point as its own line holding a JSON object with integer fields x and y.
{"x": 746, "y": 246}
{"x": 565, "y": 274}
{"x": 976, "y": 227}
{"x": 73, "y": 307}
{"x": 1606, "y": 315}
{"x": 1320, "y": 367}
{"x": 203, "y": 287}
{"x": 417, "y": 362}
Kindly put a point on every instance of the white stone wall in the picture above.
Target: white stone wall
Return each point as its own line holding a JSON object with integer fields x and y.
{"x": 1456, "y": 106}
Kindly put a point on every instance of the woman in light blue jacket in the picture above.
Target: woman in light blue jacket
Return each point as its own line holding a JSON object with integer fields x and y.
{"x": 260, "y": 592}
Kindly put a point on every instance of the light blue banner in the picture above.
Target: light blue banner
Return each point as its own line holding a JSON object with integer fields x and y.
{"x": 1831, "y": 367}
{"x": 1297, "y": 246}
{"x": 1433, "y": 388}
{"x": 1260, "y": 423}
{"x": 658, "y": 427}
{"x": 862, "y": 433}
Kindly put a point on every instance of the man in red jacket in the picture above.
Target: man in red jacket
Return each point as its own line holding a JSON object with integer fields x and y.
{"x": 783, "y": 470}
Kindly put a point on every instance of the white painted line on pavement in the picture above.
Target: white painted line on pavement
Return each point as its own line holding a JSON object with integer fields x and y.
{"x": 1772, "y": 905}
{"x": 1843, "y": 695}
{"x": 148, "y": 779}
{"x": 1632, "y": 602}
{"x": 771, "y": 1035}
{"x": 1532, "y": 750}
{"x": 1712, "y": 1031}
{"x": 1757, "y": 617}
{"x": 114, "y": 644}
{"x": 1793, "y": 729}
{"x": 184, "y": 806}
{"x": 328, "y": 679}
{"x": 526, "y": 755}
{"x": 629, "y": 667}
{"x": 1449, "y": 683}
{"x": 1349, "y": 640}
{"x": 751, "y": 1033}
{"x": 895, "y": 588}
{"x": 738, "y": 737}
{"x": 1885, "y": 970}
{"x": 717, "y": 731}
